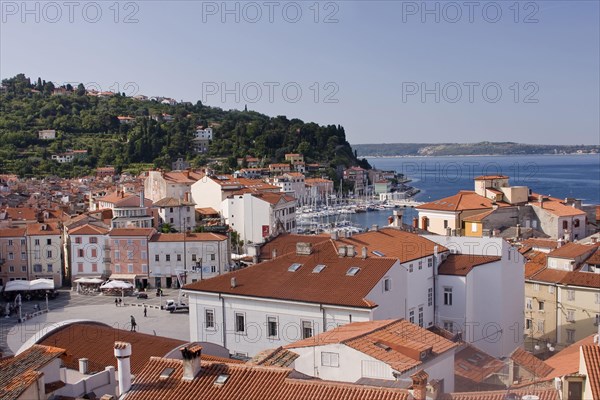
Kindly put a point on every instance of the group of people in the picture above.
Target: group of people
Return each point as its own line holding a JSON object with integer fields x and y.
{"x": 118, "y": 302}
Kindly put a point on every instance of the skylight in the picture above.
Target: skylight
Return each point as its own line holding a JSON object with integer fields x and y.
{"x": 383, "y": 346}
{"x": 221, "y": 379}
{"x": 294, "y": 267}
{"x": 378, "y": 253}
{"x": 319, "y": 268}
{"x": 166, "y": 373}
{"x": 353, "y": 271}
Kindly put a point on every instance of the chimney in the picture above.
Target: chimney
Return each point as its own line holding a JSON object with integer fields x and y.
{"x": 342, "y": 250}
{"x": 518, "y": 231}
{"x": 375, "y": 227}
{"x": 334, "y": 235}
{"x": 420, "y": 385}
{"x": 448, "y": 231}
{"x": 435, "y": 251}
{"x": 397, "y": 218}
{"x": 594, "y": 240}
{"x": 364, "y": 252}
{"x": 350, "y": 251}
{"x": 233, "y": 282}
{"x": 303, "y": 249}
{"x": 83, "y": 366}
{"x": 142, "y": 197}
{"x": 123, "y": 353}
{"x": 191, "y": 360}
{"x": 559, "y": 243}
{"x": 274, "y": 253}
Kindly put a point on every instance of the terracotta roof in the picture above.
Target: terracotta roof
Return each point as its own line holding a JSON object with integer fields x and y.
{"x": 230, "y": 180}
{"x": 463, "y": 200}
{"x": 172, "y": 202}
{"x": 286, "y": 243}
{"x": 594, "y": 258}
{"x": 462, "y": 264}
{"x": 332, "y": 286}
{"x": 397, "y": 343}
{"x": 394, "y": 243}
{"x": 12, "y": 232}
{"x": 248, "y": 382}
{"x": 581, "y": 278}
{"x": 189, "y": 237}
{"x": 571, "y": 250}
{"x": 557, "y": 208}
{"x": 542, "y": 394}
{"x": 478, "y": 217}
{"x": 566, "y": 361}
{"x": 21, "y": 371}
{"x": 21, "y": 214}
{"x": 530, "y": 362}
{"x": 146, "y": 232}
{"x": 541, "y": 243}
{"x": 537, "y": 262}
{"x": 206, "y": 211}
{"x": 274, "y": 198}
{"x": 183, "y": 176}
{"x": 279, "y": 357}
{"x": 41, "y": 229}
{"x": 591, "y": 356}
{"x": 475, "y": 366}
{"x": 88, "y": 229}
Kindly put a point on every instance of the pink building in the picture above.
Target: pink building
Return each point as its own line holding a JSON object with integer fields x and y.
{"x": 89, "y": 252}
{"x": 129, "y": 254}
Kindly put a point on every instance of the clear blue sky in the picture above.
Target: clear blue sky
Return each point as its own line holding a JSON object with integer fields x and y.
{"x": 373, "y": 57}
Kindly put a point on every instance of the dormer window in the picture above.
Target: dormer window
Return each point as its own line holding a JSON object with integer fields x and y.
{"x": 221, "y": 379}
{"x": 352, "y": 271}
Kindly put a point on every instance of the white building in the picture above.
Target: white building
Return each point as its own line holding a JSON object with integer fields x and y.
{"x": 129, "y": 210}
{"x": 176, "y": 184}
{"x": 90, "y": 255}
{"x": 172, "y": 253}
{"x": 47, "y": 134}
{"x": 479, "y": 292}
{"x": 292, "y": 183}
{"x": 257, "y": 216}
{"x": 178, "y": 213}
{"x": 45, "y": 246}
{"x": 389, "y": 350}
{"x": 202, "y": 139}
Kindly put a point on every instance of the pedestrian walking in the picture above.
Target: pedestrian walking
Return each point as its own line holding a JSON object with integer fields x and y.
{"x": 120, "y": 301}
{"x": 145, "y": 312}
{"x": 116, "y": 302}
{"x": 133, "y": 324}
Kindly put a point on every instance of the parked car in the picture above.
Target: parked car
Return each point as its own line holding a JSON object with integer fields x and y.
{"x": 173, "y": 306}
{"x": 142, "y": 295}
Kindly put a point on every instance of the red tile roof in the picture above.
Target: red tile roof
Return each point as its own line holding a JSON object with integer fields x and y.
{"x": 88, "y": 229}
{"x": 566, "y": 361}
{"x": 21, "y": 214}
{"x": 397, "y": 343}
{"x": 463, "y": 200}
{"x": 173, "y": 202}
{"x": 591, "y": 355}
{"x": 542, "y": 394}
{"x": 42, "y": 229}
{"x": 146, "y": 232}
{"x": 248, "y": 382}
{"x": 12, "y": 232}
{"x": 557, "y": 208}
{"x": 571, "y": 250}
{"x": 21, "y": 371}
{"x": 475, "y": 366}
{"x": 490, "y": 177}
{"x": 541, "y": 243}
{"x": 462, "y": 264}
{"x": 530, "y": 362}
{"x": 286, "y": 243}
{"x": 332, "y": 286}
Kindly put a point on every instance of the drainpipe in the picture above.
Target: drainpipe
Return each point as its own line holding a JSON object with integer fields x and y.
{"x": 224, "y": 326}
{"x": 324, "y": 318}
{"x": 434, "y": 275}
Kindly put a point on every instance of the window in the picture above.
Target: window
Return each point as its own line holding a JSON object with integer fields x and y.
{"x": 129, "y": 242}
{"x": 156, "y": 257}
{"x": 272, "y": 326}
{"x": 570, "y": 294}
{"x": 541, "y": 305}
{"x": 94, "y": 267}
{"x": 144, "y": 255}
{"x": 37, "y": 268}
{"x": 597, "y": 298}
{"x": 11, "y": 256}
{"x": 78, "y": 240}
{"x": 449, "y": 326}
{"x": 178, "y": 257}
{"x": 212, "y": 257}
{"x": 116, "y": 243}
{"x": 80, "y": 253}
{"x": 307, "y": 330}
{"x": 529, "y": 303}
{"x": 23, "y": 268}
{"x": 10, "y": 242}
{"x": 130, "y": 268}
{"x": 387, "y": 284}
{"x": 597, "y": 320}
{"x": 474, "y": 227}
{"x": 168, "y": 257}
{"x": 565, "y": 224}
{"x": 411, "y": 315}
{"x": 11, "y": 268}
{"x": 536, "y": 287}
{"x": 23, "y": 256}
{"x": 37, "y": 242}
{"x": 352, "y": 271}
{"x": 528, "y": 324}
{"x": 420, "y": 264}
{"x": 49, "y": 254}
{"x": 540, "y": 326}
{"x": 130, "y": 254}
{"x": 421, "y": 316}
{"x": 193, "y": 257}
{"x": 410, "y": 268}
{"x": 49, "y": 242}
{"x": 209, "y": 318}
{"x": 79, "y": 267}
{"x": 330, "y": 359}
{"x": 570, "y": 315}
{"x": 447, "y": 296}
{"x": 94, "y": 253}
{"x": 551, "y": 289}
{"x": 445, "y": 223}
{"x": 429, "y": 297}
{"x": 318, "y": 268}
{"x": 93, "y": 240}
{"x": 240, "y": 323}
{"x": 23, "y": 242}
{"x": 429, "y": 262}
{"x": 145, "y": 268}
{"x": 571, "y": 335}
{"x": 117, "y": 268}
{"x": 50, "y": 268}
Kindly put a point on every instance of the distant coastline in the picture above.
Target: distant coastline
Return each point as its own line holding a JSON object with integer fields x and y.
{"x": 469, "y": 149}
{"x": 479, "y": 155}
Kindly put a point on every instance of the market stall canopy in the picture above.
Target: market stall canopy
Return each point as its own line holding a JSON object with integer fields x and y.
{"x": 88, "y": 280}
{"x": 36, "y": 284}
{"x": 116, "y": 285}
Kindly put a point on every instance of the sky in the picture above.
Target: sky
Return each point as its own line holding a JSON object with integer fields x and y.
{"x": 387, "y": 71}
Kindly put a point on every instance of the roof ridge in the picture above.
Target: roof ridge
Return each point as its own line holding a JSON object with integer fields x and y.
{"x": 393, "y": 321}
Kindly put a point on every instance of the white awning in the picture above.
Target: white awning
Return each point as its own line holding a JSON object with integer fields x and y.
{"x": 36, "y": 284}
{"x": 124, "y": 277}
{"x": 88, "y": 280}
{"x": 116, "y": 285}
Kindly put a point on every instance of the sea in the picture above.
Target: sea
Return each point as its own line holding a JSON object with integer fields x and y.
{"x": 561, "y": 176}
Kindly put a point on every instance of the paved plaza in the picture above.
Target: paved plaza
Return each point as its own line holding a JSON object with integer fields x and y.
{"x": 70, "y": 305}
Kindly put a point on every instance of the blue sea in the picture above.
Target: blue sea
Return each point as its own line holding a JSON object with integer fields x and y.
{"x": 554, "y": 175}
